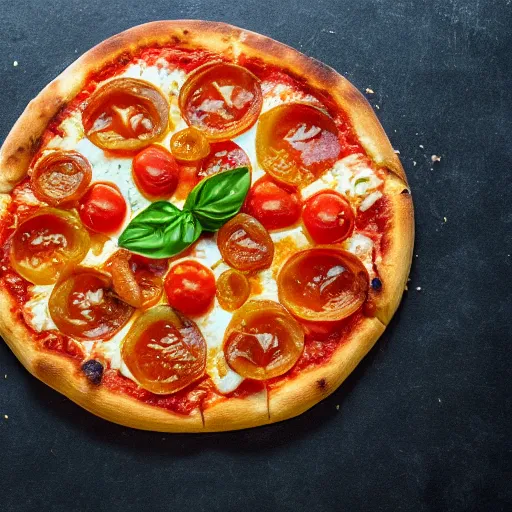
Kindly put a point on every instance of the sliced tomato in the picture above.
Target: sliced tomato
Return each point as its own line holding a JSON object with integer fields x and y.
{"x": 46, "y": 243}
{"x": 274, "y": 206}
{"x": 323, "y": 284}
{"x": 61, "y": 177}
{"x": 328, "y": 217}
{"x": 223, "y": 156}
{"x": 263, "y": 340}
{"x": 190, "y": 287}
{"x": 125, "y": 114}
{"x": 103, "y": 208}
{"x": 296, "y": 143}
{"x": 245, "y": 244}
{"x": 155, "y": 172}
{"x": 189, "y": 145}
{"x": 233, "y": 289}
{"x": 83, "y": 305}
{"x": 222, "y": 100}
{"x": 135, "y": 281}
{"x": 164, "y": 351}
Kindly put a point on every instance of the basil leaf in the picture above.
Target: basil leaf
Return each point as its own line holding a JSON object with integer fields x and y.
{"x": 218, "y": 198}
{"x": 160, "y": 231}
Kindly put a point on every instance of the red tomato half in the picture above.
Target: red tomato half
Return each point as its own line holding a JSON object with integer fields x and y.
{"x": 190, "y": 287}
{"x": 103, "y": 208}
{"x": 155, "y": 172}
{"x": 272, "y": 205}
{"x": 328, "y": 217}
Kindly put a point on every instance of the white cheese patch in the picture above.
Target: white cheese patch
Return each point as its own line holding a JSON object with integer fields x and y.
{"x": 214, "y": 323}
{"x": 296, "y": 234}
{"x": 96, "y": 260}
{"x": 207, "y": 251}
{"x": 35, "y": 310}
{"x": 73, "y": 131}
{"x": 117, "y": 170}
{"x": 351, "y": 176}
{"x": 111, "y": 350}
{"x": 168, "y": 80}
{"x": 362, "y": 247}
{"x": 213, "y": 326}
{"x": 247, "y": 141}
{"x": 370, "y": 200}
{"x": 268, "y": 285}
{"x": 275, "y": 94}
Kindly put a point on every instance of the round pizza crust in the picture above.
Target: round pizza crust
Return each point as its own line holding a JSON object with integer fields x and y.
{"x": 292, "y": 396}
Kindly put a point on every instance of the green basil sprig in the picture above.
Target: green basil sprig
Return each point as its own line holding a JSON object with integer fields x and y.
{"x": 163, "y": 230}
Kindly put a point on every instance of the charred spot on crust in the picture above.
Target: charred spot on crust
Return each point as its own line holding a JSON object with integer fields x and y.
{"x": 35, "y": 144}
{"x": 376, "y": 283}
{"x": 93, "y": 371}
{"x": 186, "y": 32}
{"x": 322, "y": 384}
{"x": 405, "y": 191}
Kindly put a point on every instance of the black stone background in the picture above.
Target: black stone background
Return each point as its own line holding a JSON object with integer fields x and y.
{"x": 424, "y": 422}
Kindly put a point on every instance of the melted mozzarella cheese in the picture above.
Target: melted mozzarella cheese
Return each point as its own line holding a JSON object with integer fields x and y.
{"x": 362, "y": 247}
{"x": 247, "y": 141}
{"x": 214, "y": 323}
{"x": 95, "y": 260}
{"x": 168, "y": 80}
{"x": 35, "y": 310}
{"x": 275, "y": 94}
{"x": 351, "y": 176}
{"x": 117, "y": 170}
{"x": 111, "y": 350}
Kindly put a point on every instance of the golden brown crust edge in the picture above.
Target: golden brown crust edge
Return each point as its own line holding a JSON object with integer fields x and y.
{"x": 21, "y": 143}
{"x": 237, "y": 413}
{"x": 294, "y": 396}
{"x": 62, "y": 374}
{"x": 394, "y": 266}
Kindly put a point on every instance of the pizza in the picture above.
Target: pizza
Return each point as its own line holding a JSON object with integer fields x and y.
{"x": 201, "y": 229}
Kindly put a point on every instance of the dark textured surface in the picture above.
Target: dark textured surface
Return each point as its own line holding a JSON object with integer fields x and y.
{"x": 424, "y": 421}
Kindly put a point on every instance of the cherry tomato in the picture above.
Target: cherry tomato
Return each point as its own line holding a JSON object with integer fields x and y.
{"x": 103, "y": 208}
{"x": 295, "y": 143}
{"x": 272, "y": 205}
{"x": 155, "y": 172}
{"x": 164, "y": 351}
{"x": 328, "y": 217}
{"x": 125, "y": 114}
{"x": 245, "y": 244}
{"x": 263, "y": 340}
{"x": 222, "y": 100}
{"x": 189, "y": 145}
{"x": 61, "y": 177}
{"x": 47, "y": 243}
{"x": 233, "y": 289}
{"x": 84, "y": 306}
{"x": 190, "y": 287}
{"x": 322, "y": 284}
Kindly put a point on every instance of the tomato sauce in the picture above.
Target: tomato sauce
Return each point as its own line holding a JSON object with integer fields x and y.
{"x": 182, "y": 402}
